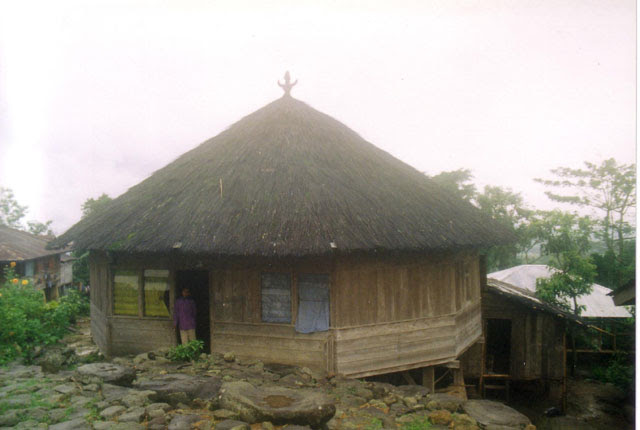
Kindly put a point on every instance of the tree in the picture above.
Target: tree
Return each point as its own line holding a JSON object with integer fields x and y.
{"x": 501, "y": 204}
{"x": 11, "y": 213}
{"x": 457, "y": 182}
{"x": 92, "y": 205}
{"x": 81, "y": 264}
{"x": 507, "y": 208}
{"x": 610, "y": 190}
{"x": 566, "y": 238}
{"x": 39, "y": 228}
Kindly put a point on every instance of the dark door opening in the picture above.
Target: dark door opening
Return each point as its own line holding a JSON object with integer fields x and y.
{"x": 498, "y": 349}
{"x": 198, "y": 283}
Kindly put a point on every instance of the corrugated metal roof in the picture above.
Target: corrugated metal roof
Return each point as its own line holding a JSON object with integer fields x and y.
{"x": 527, "y": 298}
{"x": 17, "y": 245}
{"x": 597, "y": 304}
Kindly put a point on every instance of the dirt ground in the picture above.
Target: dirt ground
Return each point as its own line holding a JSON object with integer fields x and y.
{"x": 591, "y": 405}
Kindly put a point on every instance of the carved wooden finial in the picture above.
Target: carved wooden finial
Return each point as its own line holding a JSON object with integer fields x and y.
{"x": 287, "y": 84}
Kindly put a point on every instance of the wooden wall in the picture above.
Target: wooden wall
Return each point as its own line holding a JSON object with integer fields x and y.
{"x": 536, "y": 340}
{"x": 398, "y": 314}
{"x": 236, "y": 318}
{"x": 386, "y": 314}
{"x": 99, "y": 280}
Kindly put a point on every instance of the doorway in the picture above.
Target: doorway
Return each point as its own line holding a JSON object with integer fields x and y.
{"x": 198, "y": 283}
{"x": 498, "y": 349}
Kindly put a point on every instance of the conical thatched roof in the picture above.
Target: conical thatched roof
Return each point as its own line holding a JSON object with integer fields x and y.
{"x": 286, "y": 180}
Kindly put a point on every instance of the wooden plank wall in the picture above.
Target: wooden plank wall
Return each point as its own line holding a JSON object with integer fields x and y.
{"x": 237, "y": 325}
{"x": 396, "y": 314}
{"x": 131, "y": 335}
{"x": 99, "y": 297}
{"x": 271, "y": 343}
{"x": 529, "y": 338}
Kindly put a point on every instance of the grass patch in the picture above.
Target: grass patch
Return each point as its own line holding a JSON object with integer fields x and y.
{"x": 418, "y": 423}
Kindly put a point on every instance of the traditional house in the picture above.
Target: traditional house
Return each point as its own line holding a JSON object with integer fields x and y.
{"x": 524, "y": 337}
{"x": 302, "y": 244}
{"x": 32, "y": 259}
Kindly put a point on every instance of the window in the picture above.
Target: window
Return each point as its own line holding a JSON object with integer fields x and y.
{"x": 29, "y": 268}
{"x": 276, "y": 297}
{"x": 313, "y": 303}
{"x": 125, "y": 292}
{"x": 156, "y": 293}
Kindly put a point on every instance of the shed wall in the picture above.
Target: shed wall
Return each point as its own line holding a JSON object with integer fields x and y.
{"x": 536, "y": 340}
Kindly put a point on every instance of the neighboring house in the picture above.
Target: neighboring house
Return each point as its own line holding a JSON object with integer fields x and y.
{"x": 524, "y": 337}
{"x": 302, "y": 244}
{"x": 598, "y": 304}
{"x": 32, "y": 259}
{"x": 625, "y": 295}
{"x": 524, "y": 341}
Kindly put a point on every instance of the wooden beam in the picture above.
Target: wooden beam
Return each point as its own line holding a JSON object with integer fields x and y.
{"x": 454, "y": 364}
{"x": 428, "y": 378}
{"x": 407, "y": 377}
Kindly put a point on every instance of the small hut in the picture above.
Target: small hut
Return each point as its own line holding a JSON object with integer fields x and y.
{"x": 302, "y": 244}
{"x": 33, "y": 260}
{"x": 524, "y": 337}
{"x": 524, "y": 342}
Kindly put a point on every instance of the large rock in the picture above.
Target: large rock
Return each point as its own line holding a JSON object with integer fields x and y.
{"x": 276, "y": 404}
{"x": 108, "y": 372}
{"x": 75, "y": 424}
{"x": 168, "y": 386}
{"x": 495, "y": 414}
{"x": 444, "y": 401}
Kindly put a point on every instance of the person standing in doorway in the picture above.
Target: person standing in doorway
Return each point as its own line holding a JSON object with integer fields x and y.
{"x": 184, "y": 316}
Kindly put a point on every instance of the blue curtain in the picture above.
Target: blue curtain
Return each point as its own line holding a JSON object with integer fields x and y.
{"x": 313, "y": 303}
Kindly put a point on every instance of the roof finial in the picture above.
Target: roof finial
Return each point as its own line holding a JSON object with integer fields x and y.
{"x": 287, "y": 84}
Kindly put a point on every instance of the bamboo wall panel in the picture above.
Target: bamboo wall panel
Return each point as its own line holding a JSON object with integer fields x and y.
{"x": 272, "y": 343}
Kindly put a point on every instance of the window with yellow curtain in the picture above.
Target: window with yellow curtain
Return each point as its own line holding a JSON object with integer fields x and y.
{"x": 125, "y": 292}
{"x": 156, "y": 293}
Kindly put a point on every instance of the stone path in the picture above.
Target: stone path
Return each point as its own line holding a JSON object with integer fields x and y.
{"x": 220, "y": 392}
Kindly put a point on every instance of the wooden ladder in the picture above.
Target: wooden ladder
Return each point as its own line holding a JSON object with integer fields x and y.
{"x": 495, "y": 380}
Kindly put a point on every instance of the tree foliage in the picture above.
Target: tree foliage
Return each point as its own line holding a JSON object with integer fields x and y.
{"x": 610, "y": 190}
{"x": 457, "y": 183}
{"x": 40, "y": 228}
{"x": 11, "y": 212}
{"x": 566, "y": 238}
{"x": 81, "y": 264}
{"x": 501, "y": 204}
{"x": 92, "y": 205}
{"x": 509, "y": 209}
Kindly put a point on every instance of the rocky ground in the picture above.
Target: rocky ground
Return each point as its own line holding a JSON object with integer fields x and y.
{"x": 65, "y": 390}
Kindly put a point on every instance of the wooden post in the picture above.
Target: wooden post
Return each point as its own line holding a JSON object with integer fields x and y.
{"x": 564, "y": 373}
{"x": 428, "y": 379}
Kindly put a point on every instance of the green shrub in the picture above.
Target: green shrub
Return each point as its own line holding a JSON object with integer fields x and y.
{"x": 619, "y": 372}
{"x": 418, "y": 423}
{"x": 26, "y": 321}
{"x": 188, "y": 352}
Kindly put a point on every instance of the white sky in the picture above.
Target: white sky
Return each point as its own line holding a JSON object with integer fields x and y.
{"x": 96, "y": 96}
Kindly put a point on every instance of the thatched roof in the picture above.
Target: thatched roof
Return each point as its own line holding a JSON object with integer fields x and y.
{"x": 18, "y": 245}
{"x": 286, "y": 180}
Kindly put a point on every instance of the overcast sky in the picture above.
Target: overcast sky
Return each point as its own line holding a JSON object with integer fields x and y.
{"x": 95, "y": 97}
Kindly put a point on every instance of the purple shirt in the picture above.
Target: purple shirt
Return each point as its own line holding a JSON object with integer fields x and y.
{"x": 184, "y": 313}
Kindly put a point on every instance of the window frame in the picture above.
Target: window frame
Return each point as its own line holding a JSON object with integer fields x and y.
{"x": 139, "y": 271}
{"x": 295, "y": 296}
